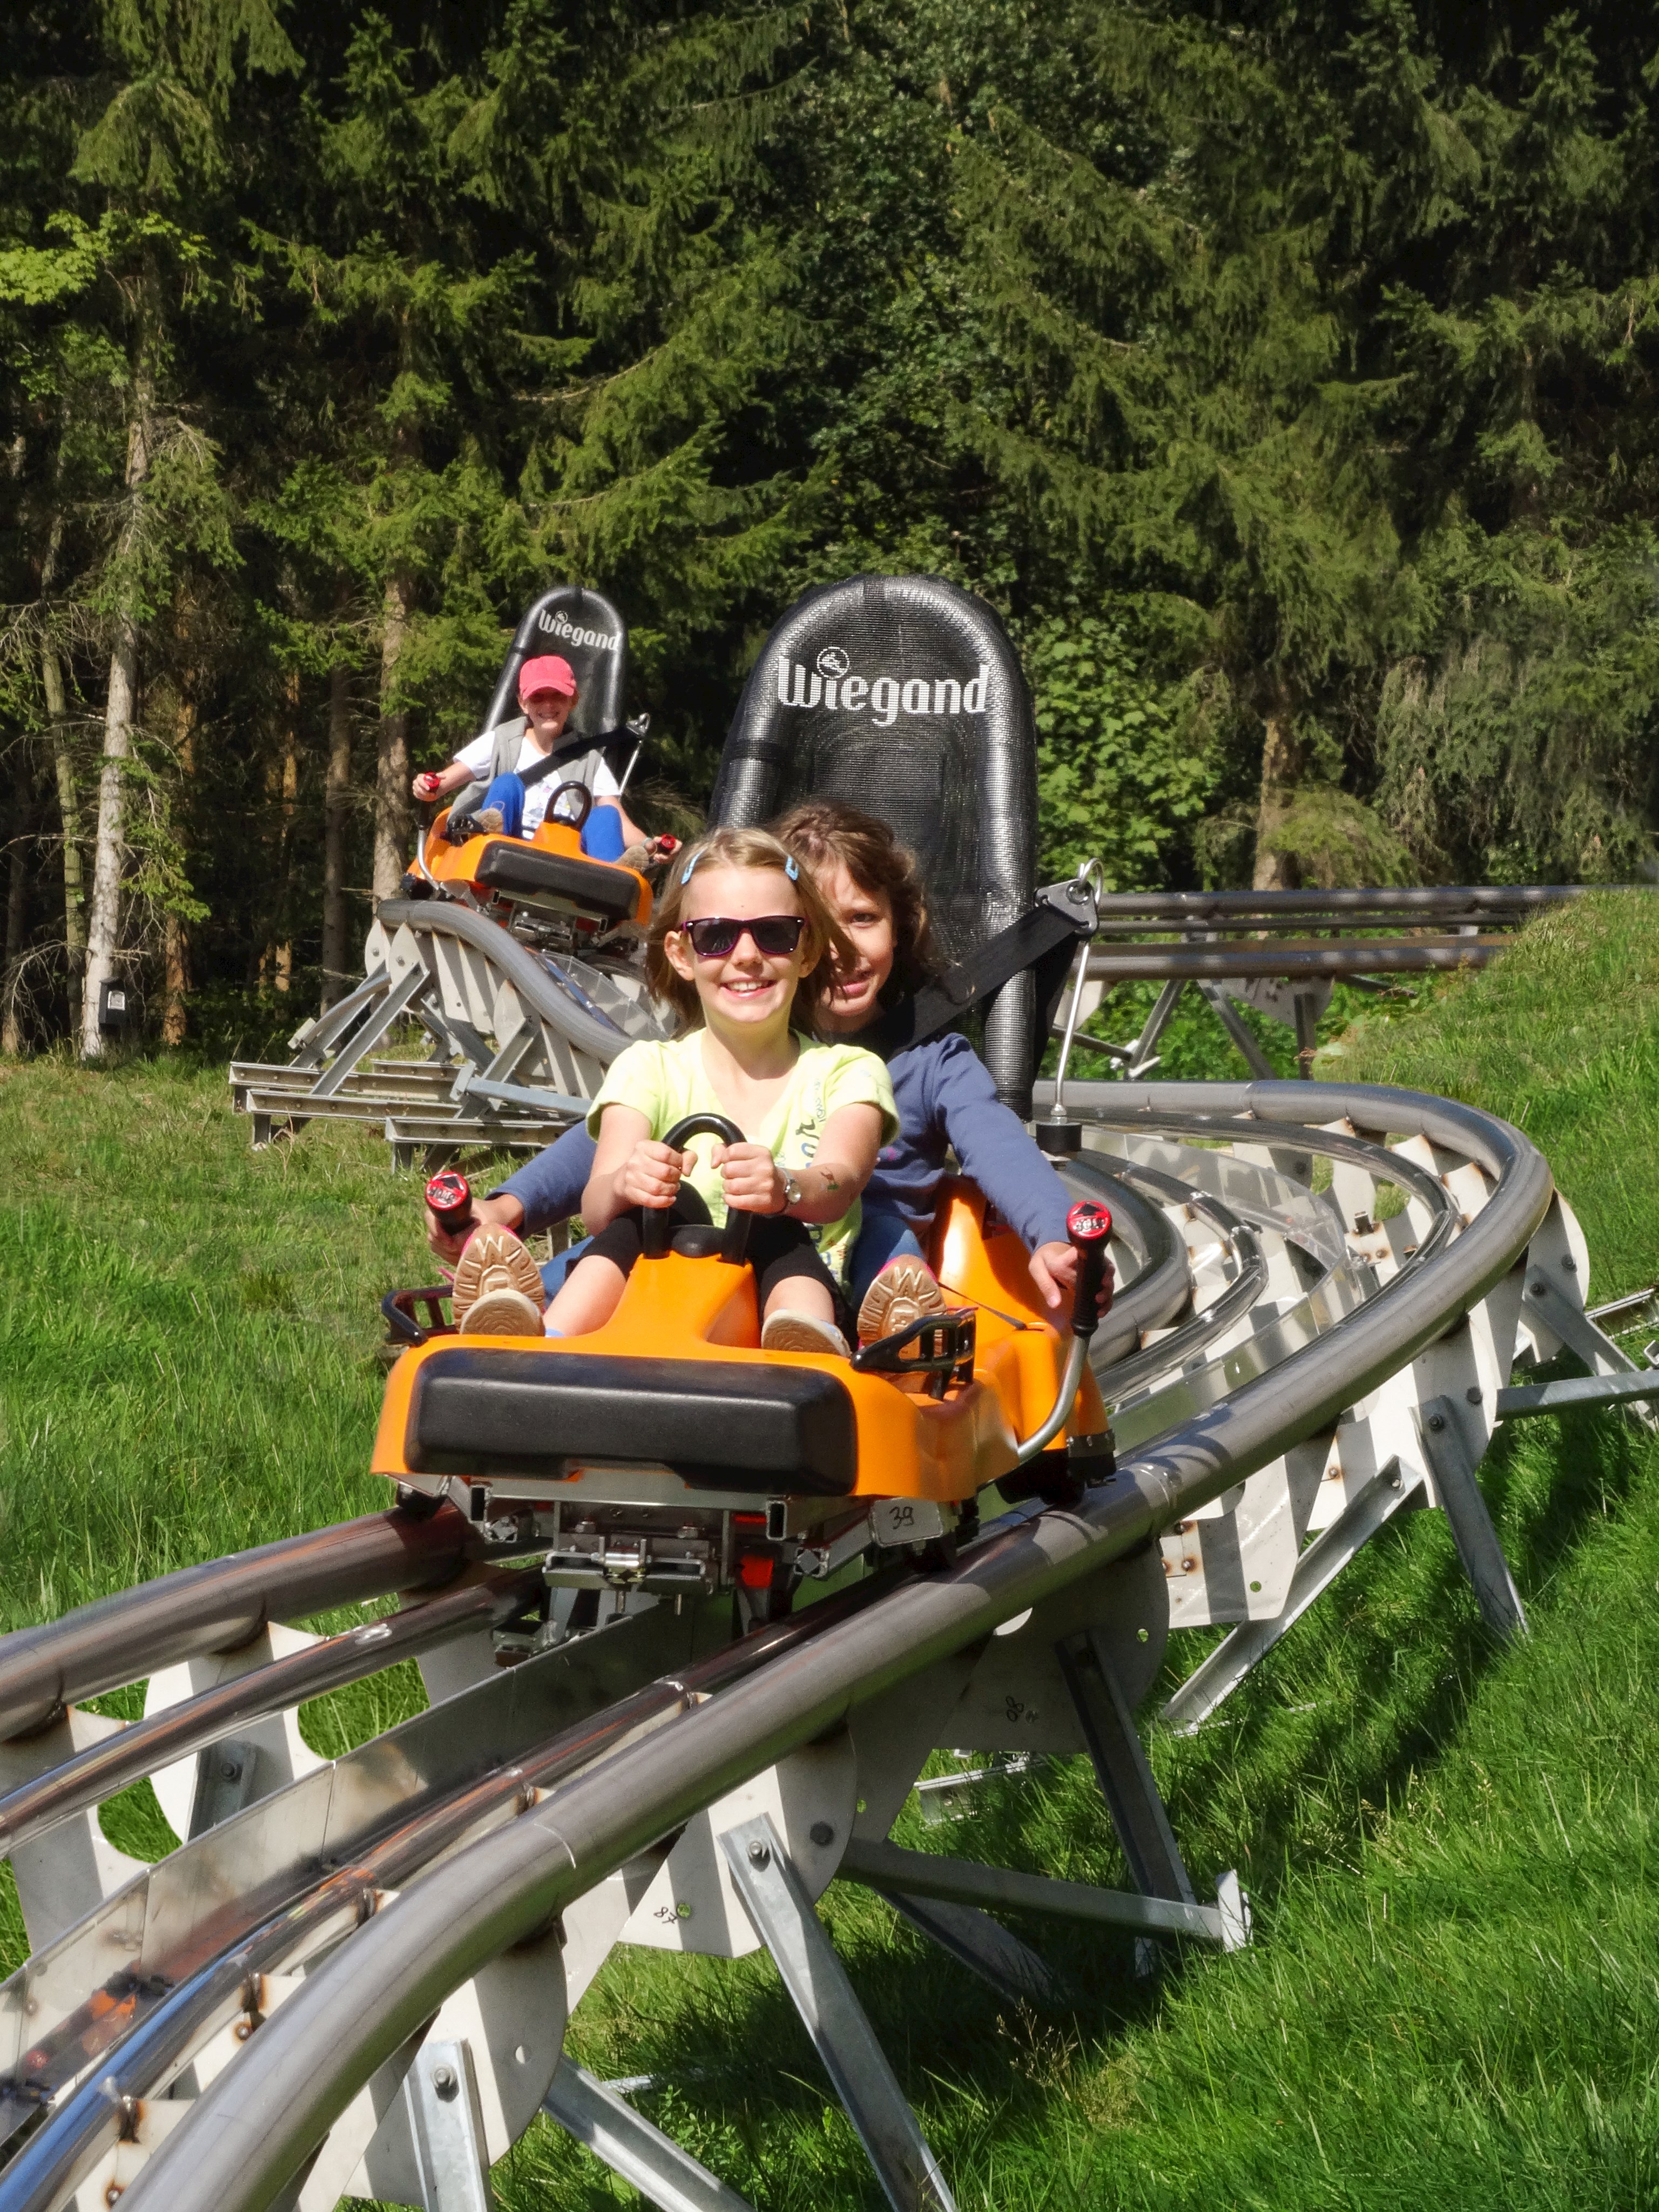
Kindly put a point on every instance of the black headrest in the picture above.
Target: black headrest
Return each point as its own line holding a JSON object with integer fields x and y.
{"x": 902, "y": 696}
{"x": 584, "y": 628}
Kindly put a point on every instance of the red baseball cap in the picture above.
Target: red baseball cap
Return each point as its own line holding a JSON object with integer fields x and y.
{"x": 549, "y": 674}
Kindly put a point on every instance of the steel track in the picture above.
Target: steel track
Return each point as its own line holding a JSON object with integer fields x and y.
{"x": 544, "y": 1826}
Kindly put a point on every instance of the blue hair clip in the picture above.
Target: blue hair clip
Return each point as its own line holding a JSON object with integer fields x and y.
{"x": 792, "y": 869}
{"x": 685, "y": 873}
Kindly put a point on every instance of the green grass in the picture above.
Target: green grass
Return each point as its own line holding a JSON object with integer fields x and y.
{"x": 1453, "y": 1996}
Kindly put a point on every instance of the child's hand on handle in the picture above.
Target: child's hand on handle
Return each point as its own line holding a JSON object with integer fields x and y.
{"x": 651, "y": 1174}
{"x": 1054, "y": 1270}
{"x": 429, "y": 784}
{"x": 750, "y": 1178}
{"x": 487, "y": 1212}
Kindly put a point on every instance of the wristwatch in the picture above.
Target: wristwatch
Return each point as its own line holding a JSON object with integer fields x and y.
{"x": 793, "y": 1193}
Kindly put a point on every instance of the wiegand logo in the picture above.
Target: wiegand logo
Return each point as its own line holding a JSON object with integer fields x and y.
{"x": 831, "y": 685}
{"x": 558, "y": 624}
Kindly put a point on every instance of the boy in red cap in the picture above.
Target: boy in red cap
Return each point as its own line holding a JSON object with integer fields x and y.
{"x": 547, "y": 694}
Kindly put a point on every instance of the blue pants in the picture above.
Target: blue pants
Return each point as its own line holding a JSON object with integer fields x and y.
{"x": 884, "y": 1234}
{"x": 602, "y": 833}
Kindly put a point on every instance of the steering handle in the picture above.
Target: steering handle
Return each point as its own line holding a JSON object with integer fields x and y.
{"x": 571, "y": 821}
{"x": 657, "y": 1236}
{"x": 1089, "y": 1228}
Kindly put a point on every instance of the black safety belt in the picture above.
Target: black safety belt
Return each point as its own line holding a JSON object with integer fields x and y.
{"x": 1043, "y": 940}
{"x": 568, "y": 749}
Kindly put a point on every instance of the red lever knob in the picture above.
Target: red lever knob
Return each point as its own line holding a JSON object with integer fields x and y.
{"x": 449, "y": 1195}
{"x": 1089, "y": 1226}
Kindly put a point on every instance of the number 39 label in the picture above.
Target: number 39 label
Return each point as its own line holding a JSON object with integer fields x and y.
{"x": 906, "y": 1520}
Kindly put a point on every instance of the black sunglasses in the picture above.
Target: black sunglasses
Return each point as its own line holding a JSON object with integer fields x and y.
{"x": 775, "y": 935}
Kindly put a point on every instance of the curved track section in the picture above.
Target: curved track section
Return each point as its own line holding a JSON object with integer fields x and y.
{"x": 1269, "y": 1332}
{"x": 520, "y": 1039}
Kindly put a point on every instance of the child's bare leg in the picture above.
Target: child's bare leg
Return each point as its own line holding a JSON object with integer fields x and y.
{"x": 587, "y": 1297}
{"x": 800, "y": 1294}
{"x": 800, "y": 1317}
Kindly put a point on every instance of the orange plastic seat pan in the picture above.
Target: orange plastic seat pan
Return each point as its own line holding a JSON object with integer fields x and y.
{"x": 676, "y": 1377}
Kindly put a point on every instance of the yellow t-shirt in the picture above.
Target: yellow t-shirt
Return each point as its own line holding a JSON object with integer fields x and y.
{"x": 666, "y": 1082}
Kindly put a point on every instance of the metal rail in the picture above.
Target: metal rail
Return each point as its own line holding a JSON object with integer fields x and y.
{"x": 137, "y": 2035}
{"x": 144, "y": 1746}
{"x": 1163, "y": 1279}
{"x": 223, "y": 1604}
{"x": 257, "y": 2123}
{"x": 536, "y": 988}
{"x": 1393, "y": 955}
{"x": 1224, "y": 909}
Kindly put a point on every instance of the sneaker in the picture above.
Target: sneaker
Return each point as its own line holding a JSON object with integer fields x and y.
{"x": 800, "y": 1332}
{"x": 489, "y": 821}
{"x": 903, "y": 1291}
{"x": 495, "y": 1266}
{"x": 502, "y": 1312}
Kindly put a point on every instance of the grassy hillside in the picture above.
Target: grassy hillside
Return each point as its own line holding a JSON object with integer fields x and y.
{"x": 1453, "y": 1993}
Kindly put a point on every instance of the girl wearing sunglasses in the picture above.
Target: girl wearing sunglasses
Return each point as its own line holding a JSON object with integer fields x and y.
{"x": 739, "y": 934}
{"x": 869, "y": 883}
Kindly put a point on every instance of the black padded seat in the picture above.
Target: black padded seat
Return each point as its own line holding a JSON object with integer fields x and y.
{"x": 720, "y": 1424}
{"x": 526, "y": 871}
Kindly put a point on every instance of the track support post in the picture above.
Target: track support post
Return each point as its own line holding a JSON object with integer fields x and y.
{"x": 815, "y": 1977}
{"x": 441, "y": 2091}
{"x": 1133, "y": 1797}
{"x": 1454, "y": 1469}
{"x": 626, "y": 2142}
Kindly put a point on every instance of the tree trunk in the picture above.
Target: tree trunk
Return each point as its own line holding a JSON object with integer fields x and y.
{"x": 17, "y": 892}
{"x": 104, "y": 929}
{"x": 109, "y": 856}
{"x": 69, "y": 796}
{"x": 290, "y": 792}
{"x": 176, "y": 958}
{"x": 69, "y": 808}
{"x": 1282, "y": 768}
{"x": 337, "y": 821}
{"x": 392, "y": 794}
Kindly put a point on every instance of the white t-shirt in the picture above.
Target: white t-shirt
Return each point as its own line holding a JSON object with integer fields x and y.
{"x": 587, "y": 768}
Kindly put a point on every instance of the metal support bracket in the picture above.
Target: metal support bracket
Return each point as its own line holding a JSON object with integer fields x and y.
{"x": 227, "y": 1776}
{"x": 608, "y": 2125}
{"x": 468, "y": 1085}
{"x": 448, "y": 2127}
{"x": 1249, "y": 1644}
{"x": 1255, "y": 1059}
{"x": 1473, "y": 1532}
{"x": 1577, "y": 1390}
{"x": 316, "y": 1037}
{"x": 1139, "y": 1813}
{"x": 1568, "y": 1322}
{"x": 897, "y": 1873}
{"x": 1133, "y": 1797}
{"x": 384, "y": 1018}
{"x": 1140, "y": 1057}
{"x": 815, "y": 1977}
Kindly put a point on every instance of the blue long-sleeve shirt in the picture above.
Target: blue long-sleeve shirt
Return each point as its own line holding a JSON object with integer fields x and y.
{"x": 946, "y": 1102}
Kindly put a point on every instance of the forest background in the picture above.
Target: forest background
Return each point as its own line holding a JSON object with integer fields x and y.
{"x": 1283, "y": 372}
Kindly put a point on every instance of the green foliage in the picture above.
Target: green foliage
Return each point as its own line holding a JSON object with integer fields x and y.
{"x": 1292, "y": 368}
{"x": 1118, "y": 775}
